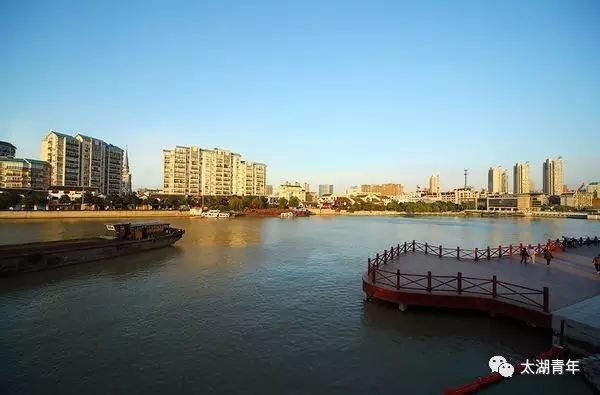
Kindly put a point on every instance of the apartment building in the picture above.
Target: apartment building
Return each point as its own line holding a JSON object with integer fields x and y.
{"x": 217, "y": 172}
{"x": 434, "y": 184}
{"x": 325, "y": 189}
{"x": 553, "y": 176}
{"x": 521, "y": 179}
{"x": 83, "y": 161}
{"x": 7, "y": 149}
{"x": 16, "y": 173}
{"x": 497, "y": 180}
{"x": 289, "y": 190}
{"x": 389, "y": 189}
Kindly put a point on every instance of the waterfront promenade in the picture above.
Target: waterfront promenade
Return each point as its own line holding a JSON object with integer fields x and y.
{"x": 498, "y": 284}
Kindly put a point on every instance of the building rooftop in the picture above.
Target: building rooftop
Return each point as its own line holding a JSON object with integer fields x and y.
{"x": 7, "y": 143}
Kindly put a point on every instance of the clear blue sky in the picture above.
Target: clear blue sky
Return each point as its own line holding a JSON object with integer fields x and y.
{"x": 325, "y": 92}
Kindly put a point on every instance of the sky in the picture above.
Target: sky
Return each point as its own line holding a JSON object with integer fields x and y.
{"x": 324, "y": 92}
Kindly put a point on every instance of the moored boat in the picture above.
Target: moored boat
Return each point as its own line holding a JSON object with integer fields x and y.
{"x": 121, "y": 239}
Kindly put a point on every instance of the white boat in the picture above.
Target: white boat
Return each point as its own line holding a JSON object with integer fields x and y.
{"x": 211, "y": 214}
{"x": 224, "y": 215}
{"x": 289, "y": 214}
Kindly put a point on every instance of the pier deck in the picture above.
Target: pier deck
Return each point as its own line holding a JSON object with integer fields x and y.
{"x": 530, "y": 292}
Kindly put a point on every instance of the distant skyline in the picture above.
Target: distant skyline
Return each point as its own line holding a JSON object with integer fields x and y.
{"x": 343, "y": 93}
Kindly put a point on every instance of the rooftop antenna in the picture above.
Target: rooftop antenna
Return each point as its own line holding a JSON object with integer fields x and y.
{"x": 466, "y": 174}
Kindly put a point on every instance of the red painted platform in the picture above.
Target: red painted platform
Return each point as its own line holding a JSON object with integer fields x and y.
{"x": 489, "y": 280}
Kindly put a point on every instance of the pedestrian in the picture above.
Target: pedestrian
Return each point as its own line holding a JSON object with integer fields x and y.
{"x": 595, "y": 240}
{"x": 531, "y": 253}
{"x": 548, "y": 256}
{"x": 596, "y": 263}
{"x": 588, "y": 241}
{"x": 524, "y": 256}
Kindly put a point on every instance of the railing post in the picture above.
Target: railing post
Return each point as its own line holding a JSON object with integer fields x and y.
{"x": 539, "y": 251}
{"x": 377, "y": 260}
{"x": 368, "y": 265}
{"x": 510, "y": 250}
{"x": 499, "y": 251}
{"x": 426, "y": 247}
{"x": 398, "y": 250}
{"x": 398, "y": 279}
{"x": 440, "y": 251}
{"x": 458, "y": 253}
{"x": 546, "y": 300}
{"x": 385, "y": 256}
{"x": 488, "y": 253}
{"x": 374, "y": 273}
{"x": 405, "y": 250}
{"x": 413, "y": 246}
{"x": 494, "y": 286}
{"x": 476, "y": 254}
{"x": 459, "y": 283}
{"x": 428, "y": 281}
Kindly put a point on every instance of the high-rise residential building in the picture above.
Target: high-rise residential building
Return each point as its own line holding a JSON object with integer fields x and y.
{"x": 126, "y": 176}
{"x": 504, "y": 183}
{"x": 63, "y": 154}
{"x": 83, "y": 161}
{"x": 217, "y": 172}
{"x": 353, "y": 190}
{"x": 553, "y": 176}
{"x": 7, "y": 149}
{"x": 521, "y": 181}
{"x": 18, "y": 173}
{"x": 389, "y": 189}
{"x": 497, "y": 180}
{"x": 325, "y": 189}
{"x": 306, "y": 187}
{"x": 434, "y": 184}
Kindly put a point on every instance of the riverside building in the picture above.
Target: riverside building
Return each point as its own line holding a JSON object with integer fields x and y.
{"x": 16, "y": 173}
{"x": 83, "y": 161}
{"x": 7, "y": 149}
{"x": 553, "y": 176}
{"x": 521, "y": 179}
{"x": 217, "y": 172}
{"x": 497, "y": 180}
{"x": 434, "y": 185}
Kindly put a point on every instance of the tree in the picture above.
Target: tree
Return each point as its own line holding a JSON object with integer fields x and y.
{"x": 282, "y": 202}
{"x": 27, "y": 201}
{"x": 168, "y": 202}
{"x": 247, "y": 201}
{"x": 9, "y": 199}
{"x": 255, "y": 203}
{"x": 88, "y": 198}
{"x": 294, "y": 201}
{"x": 235, "y": 203}
{"x": 64, "y": 199}
{"x": 264, "y": 202}
{"x": 191, "y": 201}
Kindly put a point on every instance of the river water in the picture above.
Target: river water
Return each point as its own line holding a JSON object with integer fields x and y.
{"x": 257, "y": 306}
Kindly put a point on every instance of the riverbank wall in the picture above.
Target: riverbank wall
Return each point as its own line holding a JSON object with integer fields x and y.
{"x": 92, "y": 214}
{"x": 325, "y": 211}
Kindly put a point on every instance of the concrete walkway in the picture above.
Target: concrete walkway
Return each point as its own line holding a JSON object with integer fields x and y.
{"x": 571, "y": 276}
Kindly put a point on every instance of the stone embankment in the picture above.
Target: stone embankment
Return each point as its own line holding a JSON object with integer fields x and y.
{"x": 92, "y": 214}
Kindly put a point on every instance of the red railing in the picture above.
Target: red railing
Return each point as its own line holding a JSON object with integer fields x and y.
{"x": 459, "y": 284}
{"x": 477, "y": 254}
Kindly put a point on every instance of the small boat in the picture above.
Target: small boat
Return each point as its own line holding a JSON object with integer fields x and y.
{"x": 211, "y": 214}
{"x": 224, "y": 215}
{"x": 288, "y": 214}
{"x": 120, "y": 239}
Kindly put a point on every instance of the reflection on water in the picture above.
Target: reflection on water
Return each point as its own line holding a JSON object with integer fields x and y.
{"x": 254, "y": 306}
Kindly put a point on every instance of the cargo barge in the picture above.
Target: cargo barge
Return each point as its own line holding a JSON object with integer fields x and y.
{"x": 121, "y": 239}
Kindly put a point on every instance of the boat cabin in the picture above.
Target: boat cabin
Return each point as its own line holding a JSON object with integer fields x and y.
{"x": 137, "y": 231}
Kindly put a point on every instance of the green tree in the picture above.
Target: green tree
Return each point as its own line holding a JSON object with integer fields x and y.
{"x": 235, "y": 203}
{"x": 27, "y": 201}
{"x": 167, "y": 202}
{"x": 64, "y": 199}
{"x": 9, "y": 199}
{"x": 283, "y": 203}
{"x": 191, "y": 201}
{"x": 255, "y": 203}
{"x": 264, "y": 202}
{"x": 247, "y": 202}
{"x": 294, "y": 201}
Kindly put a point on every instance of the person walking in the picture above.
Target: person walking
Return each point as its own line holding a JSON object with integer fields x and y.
{"x": 548, "y": 256}
{"x": 531, "y": 253}
{"x": 524, "y": 256}
{"x": 596, "y": 263}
